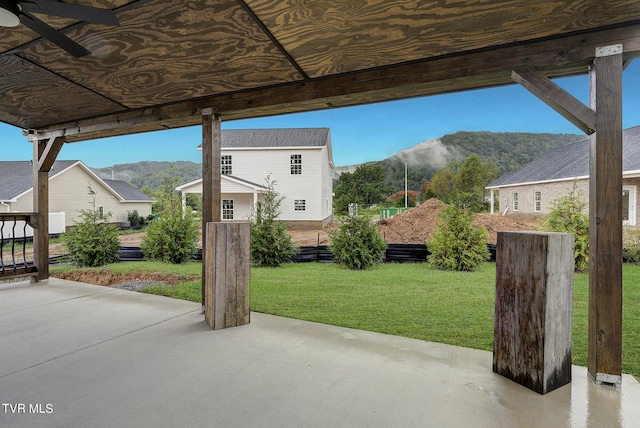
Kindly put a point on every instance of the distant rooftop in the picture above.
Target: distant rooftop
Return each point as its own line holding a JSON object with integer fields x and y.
{"x": 274, "y": 137}
{"x": 570, "y": 161}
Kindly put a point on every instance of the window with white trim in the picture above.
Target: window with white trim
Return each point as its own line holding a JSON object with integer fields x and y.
{"x": 299, "y": 204}
{"x": 537, "y": 201}
{"x": 515, "y": 202}
{"x": 296, "y": 164}
{"x": 226, "y": 167}
{"x": 227, "y": 209}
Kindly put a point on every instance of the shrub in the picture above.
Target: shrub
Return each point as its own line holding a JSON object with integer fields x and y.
{"x": 172, "y": 237}
{"x": 568, "y": 216}
{"x": 631, "y": 244}
{"x": 397, "y": 199}
{"x": 271, "y": 245}
{"x": 133, "y": 217}
{"x": 457, "y": 244}
{"x": 92, "y": 242}
{"x": 356, "y": 243}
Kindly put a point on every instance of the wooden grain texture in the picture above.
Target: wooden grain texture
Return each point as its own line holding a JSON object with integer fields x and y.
{"x": 363, "y": 34}
{"x": 441, "y": 75}
{"x": 533, "y": 307}
{"x": 31, "y": 96}
{"x": 211, "y": 184}
{"x": 228, "y": 260}
{"x": 605, "y": 222}
{"x": 41, "y": 208}
{"x": 171, "y": 51}
{"x": 191, "y": 55}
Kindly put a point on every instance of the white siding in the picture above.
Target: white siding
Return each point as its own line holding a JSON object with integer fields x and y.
{"x": 550, "y": 192}
{"x": 68, "y": 193}
{"x": 256, "y": 164}
{"x": 242, "y": 205}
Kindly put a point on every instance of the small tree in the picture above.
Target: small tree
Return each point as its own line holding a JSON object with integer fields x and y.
{"x": 364, "y": 186}
{"x": 568, "y": 216}
{"x": 426, "y": 192}
{"x": 134, "y": 218}
{"x": 356, "y": 243}
{"x": 397, "y": 199}
{"x": 172, "y": 237}
{"x": 93, "y": 242}
{"x": 457, "y": 244}
{"x": 271, "y": 245}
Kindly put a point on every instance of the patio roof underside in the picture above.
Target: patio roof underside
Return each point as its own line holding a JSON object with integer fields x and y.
{"x": 247, "y": 58}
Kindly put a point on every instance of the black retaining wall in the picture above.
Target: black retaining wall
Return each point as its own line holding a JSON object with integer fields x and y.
{"x": 395, "y": 253}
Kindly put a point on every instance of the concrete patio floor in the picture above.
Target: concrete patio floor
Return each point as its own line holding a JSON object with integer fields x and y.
{"x": 78, "y": 355}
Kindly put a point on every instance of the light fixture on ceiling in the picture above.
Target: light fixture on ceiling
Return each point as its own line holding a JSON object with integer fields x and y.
{"x": 8, "y": 14}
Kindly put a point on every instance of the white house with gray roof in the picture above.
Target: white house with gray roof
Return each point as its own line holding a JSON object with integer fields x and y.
{"x": 69, "y": 181}
{"x": 533, "y": 188}
{"x": 298, "y": 160}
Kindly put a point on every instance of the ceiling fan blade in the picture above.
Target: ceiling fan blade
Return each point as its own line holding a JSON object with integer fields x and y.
{"x": 53, "y": 35}
{"x": 74, "y": 11}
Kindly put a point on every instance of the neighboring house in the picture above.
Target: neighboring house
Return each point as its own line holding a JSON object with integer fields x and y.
{"x": 533, "y": 188}
{"x": 298, "y": 160}
{"x": 69, "y": 183}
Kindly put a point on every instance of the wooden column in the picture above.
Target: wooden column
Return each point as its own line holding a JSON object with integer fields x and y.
{"x": 603, "y": 121}
{"x": 44, "y": 155}
{"x": 228, "y": 263}
{"x": 605, "y": 219}
{"x": 211, "y": 191}
{"x": 532, "y": 324}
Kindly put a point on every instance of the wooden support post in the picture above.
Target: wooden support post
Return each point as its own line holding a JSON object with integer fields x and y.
{"x": 534, "y": 290}
{"x": 605, "y": 219}
{"x": 211, "y": 191}
{"x": 557, "y": 98}
{"x": 44, "y": 155}
{"x": 604, "y": 116}
{"x": 228, "y": 263}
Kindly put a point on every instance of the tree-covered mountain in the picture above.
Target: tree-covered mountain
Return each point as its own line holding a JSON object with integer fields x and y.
{"x": 509, "y": 151}
{"x": 151, "y": 174}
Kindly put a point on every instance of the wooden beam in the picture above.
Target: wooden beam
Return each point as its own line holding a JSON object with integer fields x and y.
{"x": 211, "y": 188}
{"x": 49, "y": 154}
{"x": 554, "y": 57}
{"x": 557, "y": 98}
{"x": 44, "y": 155}
{"x": 605, "y": 219}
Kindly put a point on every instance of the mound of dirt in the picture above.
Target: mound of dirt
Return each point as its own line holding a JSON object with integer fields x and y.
{"x": 418, "y": 224}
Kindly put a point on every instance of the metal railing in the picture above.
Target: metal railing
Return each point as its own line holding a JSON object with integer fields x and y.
{"x": 15, "y": 232}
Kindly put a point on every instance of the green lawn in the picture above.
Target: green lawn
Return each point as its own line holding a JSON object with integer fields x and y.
{"x": 415, "y": 300}
{"x": 411, "y": 300}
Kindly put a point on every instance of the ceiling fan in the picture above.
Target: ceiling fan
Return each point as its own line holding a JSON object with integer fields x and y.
{"x": 13, "y": 13}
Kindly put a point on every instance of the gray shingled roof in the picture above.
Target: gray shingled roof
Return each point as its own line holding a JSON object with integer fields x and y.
{"x": 247, "y": 182}
{"x": 571, "y": 160}
{"x": 127, "y": 192}
{"x": 16, "y": 177}
{"x": 275, "y": 137}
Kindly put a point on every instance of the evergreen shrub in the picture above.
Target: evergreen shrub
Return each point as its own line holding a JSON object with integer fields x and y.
{"x": 92, "y": 241}
{"x": 457, "y": 244}
{"x": 271, "y": 244}
{"x": 356, "y": 243}
{"x": 568, "y": 215}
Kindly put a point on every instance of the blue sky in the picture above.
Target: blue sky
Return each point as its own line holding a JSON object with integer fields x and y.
{"x": 358, "y": 134}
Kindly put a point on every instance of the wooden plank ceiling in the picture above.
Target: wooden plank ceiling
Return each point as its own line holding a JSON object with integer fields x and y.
{"x": 245, "y": 58}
